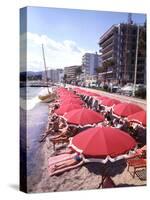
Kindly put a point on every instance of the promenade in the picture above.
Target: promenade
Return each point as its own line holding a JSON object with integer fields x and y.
{"x": 134, "y": 100}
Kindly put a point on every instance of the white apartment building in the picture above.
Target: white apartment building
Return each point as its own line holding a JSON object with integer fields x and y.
{"x": 54, "y": 75}
{"x": 90, "y": 61}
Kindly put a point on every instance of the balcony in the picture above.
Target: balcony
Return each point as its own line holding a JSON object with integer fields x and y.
{"x": 107, "y": 55}
{"x": 107, "y": 42}
{"x": 107, "y": 49}
{"x": 107, "y": 34}
{"x": 108, "y": 58}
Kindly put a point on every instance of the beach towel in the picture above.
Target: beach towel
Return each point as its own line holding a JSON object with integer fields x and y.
{"x": 59, "y": 158}
{"x": 52, "y": 171}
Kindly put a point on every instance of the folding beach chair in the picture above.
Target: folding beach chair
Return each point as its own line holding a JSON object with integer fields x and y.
{"x": 136, "y": 164}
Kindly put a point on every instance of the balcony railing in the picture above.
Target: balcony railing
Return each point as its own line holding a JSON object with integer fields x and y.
{"x": 107, "y": 33}
{"x": 107, "y": 53}
{"x": 107, "y": 49}
{"x": 107, "y": 42}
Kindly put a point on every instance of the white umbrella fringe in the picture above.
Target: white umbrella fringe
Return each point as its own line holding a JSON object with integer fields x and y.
{"x": 105, "y": 160}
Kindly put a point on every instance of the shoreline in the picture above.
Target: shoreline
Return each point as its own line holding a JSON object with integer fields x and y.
{"x": 36, "y": 125}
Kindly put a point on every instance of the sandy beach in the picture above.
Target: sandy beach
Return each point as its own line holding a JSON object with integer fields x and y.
{"x": 86, "y": 177}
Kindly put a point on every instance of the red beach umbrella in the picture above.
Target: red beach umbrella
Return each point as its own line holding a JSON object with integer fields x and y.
{"x": 101, "y": 98}
{"x": 72, "y": 100}
{"x": 66, "y": 108}
{"x": 110, "y": 102}
{"x": 103, "y": 142}
{"x": 126, "y": 109}
{"x": 83, "y": 116}
{"x": 138, "y": 117}
{"x": 68, "y": 96}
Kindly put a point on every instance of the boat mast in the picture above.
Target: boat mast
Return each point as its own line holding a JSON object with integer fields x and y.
{"x": 45, "y": 68}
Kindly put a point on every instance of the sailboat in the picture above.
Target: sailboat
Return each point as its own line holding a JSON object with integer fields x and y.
{"x": 47, "y": 96}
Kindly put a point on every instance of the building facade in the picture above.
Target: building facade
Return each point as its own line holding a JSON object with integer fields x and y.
{"x": 70, "y": 73}
{"x": 119, "y": 45}
{"x": 54, "y": 75}
{"x": 90, "y": 61}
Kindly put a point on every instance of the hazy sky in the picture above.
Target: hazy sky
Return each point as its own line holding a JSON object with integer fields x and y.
{"x": 67, "y": 34}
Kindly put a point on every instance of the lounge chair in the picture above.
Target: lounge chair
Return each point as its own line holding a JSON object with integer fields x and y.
{"x": 59, "y": 140}
{"x": 136, "y": 164}
{"x": 140, "y": 153}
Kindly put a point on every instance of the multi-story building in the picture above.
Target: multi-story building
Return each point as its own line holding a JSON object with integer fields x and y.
{"x": 54, "y": 75}
{"x": 60, "y": 75}
{"x": 90, "y": 61}
{"x": 70, "y": 72}
{"x": 118, "y": 45}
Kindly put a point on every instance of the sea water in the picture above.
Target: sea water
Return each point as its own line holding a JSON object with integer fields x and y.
{"x": 29, "y": 96}
{"x": 33, "y": 122}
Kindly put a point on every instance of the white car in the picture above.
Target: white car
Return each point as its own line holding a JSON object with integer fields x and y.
{"x": 93, "y": 84}
{"x": 128, "y": 89}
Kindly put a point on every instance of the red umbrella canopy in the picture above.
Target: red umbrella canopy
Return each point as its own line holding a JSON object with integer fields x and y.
{"x": 83, "y": 116}
{"x": 101, "y": 98}
{"x": 68, "y": 96}
{"x": 139, "y": 117}
{"x": 110, "y": 102}
{"x": 66, "y": 108}
{"x": 101, "y": 142}
{"x": 126, "y": 109}
{"x": 72, "y": 100}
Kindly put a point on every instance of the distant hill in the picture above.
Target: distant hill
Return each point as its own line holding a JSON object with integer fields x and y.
{"x": 30, "y": 74}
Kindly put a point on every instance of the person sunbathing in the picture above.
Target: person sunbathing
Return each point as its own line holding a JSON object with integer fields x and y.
{"x": 66, "y": 165}
{"x": 62, "y": 123}
{"x": 59, "y": 138}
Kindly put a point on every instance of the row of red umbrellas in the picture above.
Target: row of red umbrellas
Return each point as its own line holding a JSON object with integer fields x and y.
{"x": 132, "y": 112}
{"x": 105, "y": 143}
{"x": 70, "y": 102}
{"x": 73, "y": 110}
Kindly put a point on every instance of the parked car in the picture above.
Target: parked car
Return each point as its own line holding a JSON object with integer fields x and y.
{"x": 115, "y": 88}
{"x": 93, "y": 84}
{"x": 128, "y": 89}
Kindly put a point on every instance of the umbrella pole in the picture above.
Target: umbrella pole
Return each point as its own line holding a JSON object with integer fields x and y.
{"x": 102, "y": 181}
{"x": 103, "y": 177}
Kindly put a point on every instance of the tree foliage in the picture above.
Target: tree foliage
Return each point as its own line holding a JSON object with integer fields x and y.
{"x": 78, "y": 71}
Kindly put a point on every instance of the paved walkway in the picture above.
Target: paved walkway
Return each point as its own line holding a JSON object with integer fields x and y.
{"x": 140, "y": 102}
